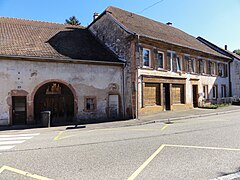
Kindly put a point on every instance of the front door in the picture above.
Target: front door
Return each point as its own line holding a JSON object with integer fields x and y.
{"x": 113, "y": 106}
{"x": 195, "y": 95}
{"x": 19, "y": 110}
{"x": 166, "y": 97}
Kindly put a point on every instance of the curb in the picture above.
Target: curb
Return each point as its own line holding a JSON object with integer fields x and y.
{"x": 188, "y": 117}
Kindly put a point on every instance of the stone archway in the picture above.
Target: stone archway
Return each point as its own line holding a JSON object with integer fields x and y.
{"x": 55, "y": 96}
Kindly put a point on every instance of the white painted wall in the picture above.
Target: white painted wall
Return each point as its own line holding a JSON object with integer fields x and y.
{"x": 86, "y": 79}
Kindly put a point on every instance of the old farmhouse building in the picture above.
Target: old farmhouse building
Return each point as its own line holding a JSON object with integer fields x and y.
{"x": 121, "y": 66}
{"x": 59, "y": 68}
{"x": 168, "y": 68}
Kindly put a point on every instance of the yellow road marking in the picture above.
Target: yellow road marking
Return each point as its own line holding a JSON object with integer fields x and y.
{"x": 139, "y": 170}
{"x": 143, "y": 166}
{"x": 164, "y": 127}
{"x": 57, "y": 137}
{"x": 23, "y": 173}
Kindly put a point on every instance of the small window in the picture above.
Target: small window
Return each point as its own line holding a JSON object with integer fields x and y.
{"x": 205, "y": 91}
{"x": 186, "y": 59}
{"x": 192, "y": 63}
{"x": 202, "y": 66}
{"x": 214, "y": 92}
{"x": 223, "y": 91}
{"x": 160, "y": 60}
{"x": 90, "y": 104}
{"x": 146, "y": 57}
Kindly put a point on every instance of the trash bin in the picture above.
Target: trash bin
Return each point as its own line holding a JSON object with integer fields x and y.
{"x": 46, "y": 118}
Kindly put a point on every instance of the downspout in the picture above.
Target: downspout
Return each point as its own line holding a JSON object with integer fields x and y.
{"x": 137, "y": 67}
{"x": 123, "y": 87}
{"x": 229, "y": 76}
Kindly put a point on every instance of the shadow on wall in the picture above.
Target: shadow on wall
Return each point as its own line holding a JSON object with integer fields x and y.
{"x": 77, "y": 43}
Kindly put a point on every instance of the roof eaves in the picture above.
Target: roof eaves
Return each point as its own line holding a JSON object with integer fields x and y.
{"x": 156, "y": 39}
{"x": 215, "y": 47}
{"x": 63, "y": 59}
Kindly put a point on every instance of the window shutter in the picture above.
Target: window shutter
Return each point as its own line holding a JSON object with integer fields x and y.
{"x": 226, "y": 70}
{"x": 168, "y": 61}
{"x": 155, "y": 59}
{"x": 186, "y": 59}
{"x": 141, "y": 56}
{"x": 200, "y": 66}
{"x": 174, "y": 63}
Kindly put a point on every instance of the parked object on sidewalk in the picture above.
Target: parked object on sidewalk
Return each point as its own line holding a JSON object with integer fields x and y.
{"x": 46, "y": 118}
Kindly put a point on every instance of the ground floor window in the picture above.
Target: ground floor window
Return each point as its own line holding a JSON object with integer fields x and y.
{"x": 178, "y": 93}
{"x": 90, "y": 103}
{"x": 223, "y": 91}
{"x": 151, "y": 94}
{"x": 205, "y": 91}
{"x": 214, "y": 92}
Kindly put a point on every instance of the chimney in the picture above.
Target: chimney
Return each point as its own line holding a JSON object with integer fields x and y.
{"x": 169, "y": 23}
{"x": 225, "y": 47}
{"x": 95, "y": 15}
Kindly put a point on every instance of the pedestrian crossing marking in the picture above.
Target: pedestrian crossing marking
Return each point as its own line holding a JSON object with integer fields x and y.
{"x": 9, "y": 141}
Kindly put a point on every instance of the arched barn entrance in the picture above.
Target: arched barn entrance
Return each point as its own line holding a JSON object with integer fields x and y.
{"x": 57, "y": 98}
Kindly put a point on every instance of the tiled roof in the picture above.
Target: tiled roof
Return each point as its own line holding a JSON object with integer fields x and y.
{"x": 156, "y": 30}
{"x": 28, "y": 38}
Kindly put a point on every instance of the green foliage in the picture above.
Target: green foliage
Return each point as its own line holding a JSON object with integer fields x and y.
{"x": 73, "y": 21}
{"x": 237, "y": 51}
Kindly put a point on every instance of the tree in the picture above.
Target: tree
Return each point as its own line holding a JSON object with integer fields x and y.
{"x": 237, "y": 51}
{"x": 73, "y": 21}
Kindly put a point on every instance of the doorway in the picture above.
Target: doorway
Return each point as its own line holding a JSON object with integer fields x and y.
{"x": 166, "y": 97}
{"x": 195, "y": 95}
{"x": 113, "y": 106}
{"x": 19, "y": 112}
{"x": 57, "y": 98}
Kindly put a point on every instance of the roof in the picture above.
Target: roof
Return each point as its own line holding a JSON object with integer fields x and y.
{"x": 26, "y": 38}
{"x": 156, "y": 30}
{"x": 219, "y": 49}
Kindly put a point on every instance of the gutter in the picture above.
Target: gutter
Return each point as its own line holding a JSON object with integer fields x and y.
{"x": 62, "y": 60}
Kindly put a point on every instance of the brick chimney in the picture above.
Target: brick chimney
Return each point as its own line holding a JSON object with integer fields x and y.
{"x": 225, "y": 47}
{"x": 95, "y": 15}
{"x": 169, "y": 23}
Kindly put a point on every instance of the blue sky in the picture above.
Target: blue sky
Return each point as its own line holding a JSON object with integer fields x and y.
{"x": 215, "y": 20}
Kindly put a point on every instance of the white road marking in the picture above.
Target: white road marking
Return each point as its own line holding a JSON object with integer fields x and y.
{"x": 15, "y": 138}
{"x": 6, "y": 147}
{"x": 18, "y": 135}
{"x": 229, "y": 177}
{"x": 11, "y": 142}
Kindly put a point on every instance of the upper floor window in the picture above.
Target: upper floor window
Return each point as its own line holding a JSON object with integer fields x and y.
{"x": 211, "y": 67}
{"x": 222, "y": 70}
{"x": 146, "y": 57}
{"x": 190, "y": 64}
{"x": 202, "y": 66}
{"x": 160, "y": 60}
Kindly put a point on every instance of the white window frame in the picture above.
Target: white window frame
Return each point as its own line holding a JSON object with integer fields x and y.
{"x": 194, "y": 65}
{"x": 145, "y": 49}
{"x": 160, "y": 52}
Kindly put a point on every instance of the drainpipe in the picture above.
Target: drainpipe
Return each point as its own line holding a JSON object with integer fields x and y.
{"x": 229, "y": 76}
{"x": 123, "y": 87}
{"x": 137, "y": 67}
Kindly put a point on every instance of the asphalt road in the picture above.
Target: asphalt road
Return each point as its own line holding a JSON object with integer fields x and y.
{"x": 200, "y": 148}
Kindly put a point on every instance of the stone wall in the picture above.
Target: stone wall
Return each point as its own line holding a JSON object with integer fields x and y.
{"x": 18, "y": 77}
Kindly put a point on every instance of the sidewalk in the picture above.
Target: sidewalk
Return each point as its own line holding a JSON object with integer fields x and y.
{"x": 161, "y": 117}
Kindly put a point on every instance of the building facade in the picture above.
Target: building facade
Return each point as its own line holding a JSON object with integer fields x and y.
{"x": 167, "y": 69}
{"x": 57, "y": 68}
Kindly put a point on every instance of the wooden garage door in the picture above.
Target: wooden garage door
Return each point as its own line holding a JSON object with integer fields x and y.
{"x": 178, "y": 93}
{"x": 151, "y": 94}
